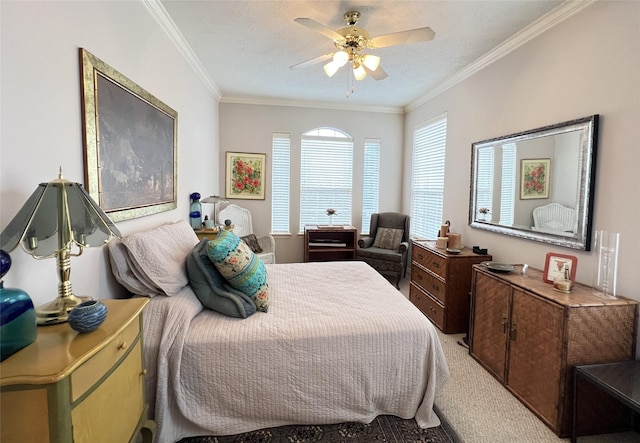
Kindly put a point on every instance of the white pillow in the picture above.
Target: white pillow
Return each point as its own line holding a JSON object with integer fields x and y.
{"x": 126, "y": 272}
{"x": 161, "y": 254}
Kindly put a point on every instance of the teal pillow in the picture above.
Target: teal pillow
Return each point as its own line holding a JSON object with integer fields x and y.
{"x": 212, "y": 289}
{"x": 241, "y": 267}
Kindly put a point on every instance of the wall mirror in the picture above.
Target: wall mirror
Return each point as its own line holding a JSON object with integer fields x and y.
{"x": 537, "y": 184}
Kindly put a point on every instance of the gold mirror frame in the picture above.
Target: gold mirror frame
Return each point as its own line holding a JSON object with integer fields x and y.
{"x": 138, "y": 189}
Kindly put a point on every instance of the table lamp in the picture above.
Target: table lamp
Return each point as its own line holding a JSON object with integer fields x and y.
{"x": 60, "y": 216}
{"x": 215, "y": 200}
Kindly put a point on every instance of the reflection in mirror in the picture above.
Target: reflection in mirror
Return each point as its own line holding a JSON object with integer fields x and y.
{"x": 537, "y": 184}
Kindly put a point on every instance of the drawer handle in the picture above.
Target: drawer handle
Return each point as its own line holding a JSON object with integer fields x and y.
{"x": 419, "y": 277}
{"x": 420, "y": 256}
{"x": 436, "y": 264}
{"x": 435, "y": 288}
{"x": 504, "y": 324}
{"x": 143, "y": 372}
{"x": 122, "y": 346}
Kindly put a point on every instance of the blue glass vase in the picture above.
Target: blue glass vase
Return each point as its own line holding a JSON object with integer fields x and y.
{"x": 18, "y": 327}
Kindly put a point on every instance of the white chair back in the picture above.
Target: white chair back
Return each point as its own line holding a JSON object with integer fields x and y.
{"x": 240, "y": 219}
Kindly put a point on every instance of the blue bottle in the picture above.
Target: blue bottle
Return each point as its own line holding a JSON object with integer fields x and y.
{"x": 195, "y": 211}
{"x": 18, "y": 326}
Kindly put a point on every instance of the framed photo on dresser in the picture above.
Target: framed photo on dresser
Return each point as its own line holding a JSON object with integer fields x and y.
{"x": 558, "y": 265}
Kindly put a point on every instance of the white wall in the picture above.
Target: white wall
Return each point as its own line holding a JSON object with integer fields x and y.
{"x": 589, "y": 64}
{"x": 42, "y": 121}
{"x": 249, "y": 128}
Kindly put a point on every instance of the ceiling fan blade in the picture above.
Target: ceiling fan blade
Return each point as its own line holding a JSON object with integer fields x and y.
{"x": 322, "y": 29}
{"x": 313, "y": 61}
{"x": 378, "y": 74}
{"x": 400, "y": 38}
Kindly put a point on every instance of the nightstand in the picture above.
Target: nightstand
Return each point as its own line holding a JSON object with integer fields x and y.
{"x": 329, "y": 243}
{"x": 85, "y": 388}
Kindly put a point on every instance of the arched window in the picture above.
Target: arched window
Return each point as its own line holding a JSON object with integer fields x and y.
{"x": 326, "y": 170}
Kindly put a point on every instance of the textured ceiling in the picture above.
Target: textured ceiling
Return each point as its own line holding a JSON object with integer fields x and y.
{"x": 247, "y": 47}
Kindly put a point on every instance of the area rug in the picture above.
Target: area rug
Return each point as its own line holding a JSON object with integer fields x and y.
{"x": 385, "y": 428}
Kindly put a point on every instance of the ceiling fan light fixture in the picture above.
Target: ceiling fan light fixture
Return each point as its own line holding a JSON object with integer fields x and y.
{"x": 371, "y": 61}
{"x": 359, "y": 73}
{"x": 340, "y": 58}
{"x": 331, "y": 68}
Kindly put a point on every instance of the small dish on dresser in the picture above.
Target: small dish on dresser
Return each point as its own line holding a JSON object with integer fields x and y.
{"x": 453, "y": 250}
{"x": 497, "y": 267}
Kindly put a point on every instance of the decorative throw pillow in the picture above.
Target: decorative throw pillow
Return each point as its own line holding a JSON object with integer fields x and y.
{"x": 241, "y": 267}
{"x": 212, "y": 289}
{"x": 388, "y": 238}
{"x": 252, "y": 242}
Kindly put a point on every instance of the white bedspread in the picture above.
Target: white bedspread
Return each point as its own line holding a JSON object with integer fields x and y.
{"x": 339, "y": 343}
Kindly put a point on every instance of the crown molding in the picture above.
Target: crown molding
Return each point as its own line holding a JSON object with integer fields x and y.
{"x": 543, "y": 24}
{"x": 158, "y": 12}
{"x": 311, "y": 104}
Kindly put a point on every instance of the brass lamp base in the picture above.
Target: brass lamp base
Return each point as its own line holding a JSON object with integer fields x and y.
{"x": 58, "y": 310}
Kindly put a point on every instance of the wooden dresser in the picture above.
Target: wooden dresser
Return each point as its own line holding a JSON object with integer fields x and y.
{"x": 441, "y": 284}
{"x": 530, "y": 337}
{"x": 82, "y": 388}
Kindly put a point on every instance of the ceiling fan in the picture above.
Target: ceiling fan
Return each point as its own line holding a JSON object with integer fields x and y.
{"x": 352, "y": 40}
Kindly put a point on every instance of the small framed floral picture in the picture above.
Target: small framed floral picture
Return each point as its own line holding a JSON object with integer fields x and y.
{"x": 534, "y": 178}
{"x": 246, "y": 174}
{"x": 559, "y": 266}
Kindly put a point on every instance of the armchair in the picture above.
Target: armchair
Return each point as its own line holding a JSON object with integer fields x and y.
{"x": 386, "y": 248}
{"x": 243, "y": 226}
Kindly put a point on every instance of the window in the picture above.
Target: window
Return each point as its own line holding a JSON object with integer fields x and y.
{"x": 427, "y": 190}
{"x": 326, "y": 169}
{"x": 508, "y": 195}
{"x": 371, "y": 182}
{"x": 484, "y": 182}
{"x": 280, "y": 185}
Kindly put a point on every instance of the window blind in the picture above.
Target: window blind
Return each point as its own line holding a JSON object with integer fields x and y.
{"x": 508, "y": 194}
{"x": 326, "y": 169}
{"x": 427, "y": 187}
{"x": 280, "y": 183}
{"x": 484, "y": 182}
{"x": 371, "y": 182}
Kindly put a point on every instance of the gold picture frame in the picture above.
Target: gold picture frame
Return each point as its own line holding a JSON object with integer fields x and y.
{"x": 246, "y": 174}
{"x": 130, "y": 144}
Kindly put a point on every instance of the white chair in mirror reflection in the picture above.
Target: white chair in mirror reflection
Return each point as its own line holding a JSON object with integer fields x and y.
{"x": 555, "y": 219}
{"x": 242, "y": 225}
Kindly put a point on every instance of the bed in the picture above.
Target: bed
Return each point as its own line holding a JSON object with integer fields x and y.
{"x": 338, "y": 343}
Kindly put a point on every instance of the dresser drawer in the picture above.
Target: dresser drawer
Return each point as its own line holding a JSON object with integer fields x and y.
{"x": 429, "y": 307}
{"x": 122, "y": 395}
{"x": 431, "y": 261}
{"x": 429, "y": 283}
{"x": 90, "y": 372}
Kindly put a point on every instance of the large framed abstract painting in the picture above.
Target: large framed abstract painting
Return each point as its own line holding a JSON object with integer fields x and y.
{"x": 245, "y": 175}
{"x": 130, "y": 141}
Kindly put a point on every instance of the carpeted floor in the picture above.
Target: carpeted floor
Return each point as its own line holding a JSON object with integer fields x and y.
{"x": 385, "y": 428}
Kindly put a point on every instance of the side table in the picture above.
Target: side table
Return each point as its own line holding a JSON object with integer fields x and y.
{"x": 620, "y": 381}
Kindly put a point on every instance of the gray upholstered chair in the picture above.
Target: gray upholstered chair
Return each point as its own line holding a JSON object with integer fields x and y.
{"x": 386, "y": 248}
